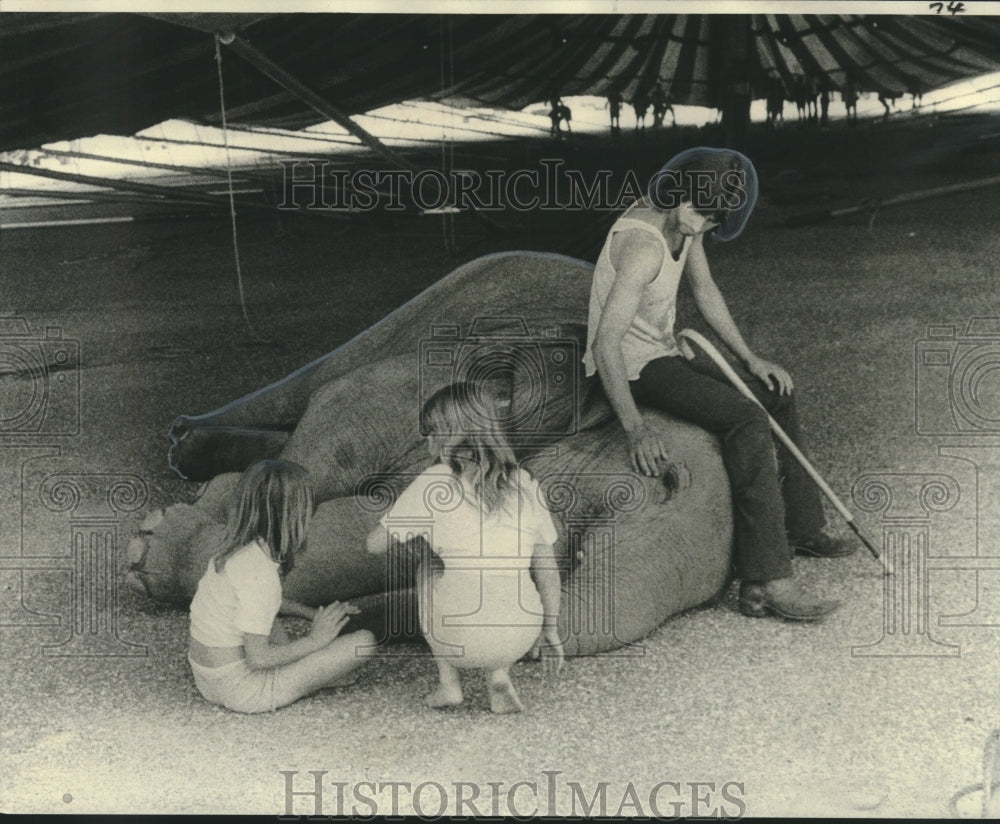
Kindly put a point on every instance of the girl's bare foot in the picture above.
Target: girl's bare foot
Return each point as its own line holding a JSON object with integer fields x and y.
{"x": 449, "y": 688}
{"x": 503, "y": 696}
{"x": 443, "y": 697}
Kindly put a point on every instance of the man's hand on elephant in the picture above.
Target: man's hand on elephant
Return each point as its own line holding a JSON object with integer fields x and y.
{"x": 773, "y": 376}
{"x": 646, "y": 450}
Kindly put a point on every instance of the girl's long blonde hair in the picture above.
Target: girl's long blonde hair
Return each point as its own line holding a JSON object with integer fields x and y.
{"x": 274, "y": 503}
{"x": 468, "y": 416}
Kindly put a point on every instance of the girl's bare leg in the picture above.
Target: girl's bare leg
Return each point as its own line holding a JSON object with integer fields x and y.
{"x": 449, "y": 688}
{"x": 503, "y": 696}
{"x": 448, "y": 692}
{"x": 332, "y": 666}
{"x": 279, "y": 635}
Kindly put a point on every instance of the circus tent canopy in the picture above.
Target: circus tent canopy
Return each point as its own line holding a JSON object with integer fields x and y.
{"x": 64, "y": 76}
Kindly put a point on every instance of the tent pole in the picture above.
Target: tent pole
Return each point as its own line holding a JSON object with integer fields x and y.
{"x": 291, "y": 83}
{"x": 874, "y": 204}
{"x": 733, "y": 77}
{"x": 73, "y": 197}
{"x": 311, "y": 98}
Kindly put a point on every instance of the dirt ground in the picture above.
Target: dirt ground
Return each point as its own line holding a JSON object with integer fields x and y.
{"x": 855, "y": 716}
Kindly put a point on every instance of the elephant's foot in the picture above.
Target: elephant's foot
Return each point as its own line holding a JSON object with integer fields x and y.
{"x": 199, "y": 452}
{"x": 503, "y": 697}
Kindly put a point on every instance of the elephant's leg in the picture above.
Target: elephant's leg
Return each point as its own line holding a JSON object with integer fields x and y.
{"x": 235, "y": 436}
{"x": 639, "y": 549}
{"x": 276, "y": 406}
{"x": 199, "y": 452}
{"x": 361, "y": 423}
{"x": 336, "y": 564}
{"x": 362, "y": 426}
{"x": 349, "y": 445}
{"x": 524, "y": 287}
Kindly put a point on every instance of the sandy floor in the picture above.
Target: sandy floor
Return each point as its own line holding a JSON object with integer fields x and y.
{"x": 772, "y": 718}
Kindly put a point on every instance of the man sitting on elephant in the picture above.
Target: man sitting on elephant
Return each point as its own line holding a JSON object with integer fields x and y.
{"x": 631, "y": 346}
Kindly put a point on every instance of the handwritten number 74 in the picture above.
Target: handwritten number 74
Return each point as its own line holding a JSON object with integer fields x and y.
{"x": 953, "y": 7}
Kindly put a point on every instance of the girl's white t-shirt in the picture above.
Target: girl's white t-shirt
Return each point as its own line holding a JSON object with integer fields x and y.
{"x": 244, "y": 598}
{"x": 442, "y": 508}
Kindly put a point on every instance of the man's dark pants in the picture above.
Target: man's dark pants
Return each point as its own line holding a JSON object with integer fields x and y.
{"x": 768, "y": 499}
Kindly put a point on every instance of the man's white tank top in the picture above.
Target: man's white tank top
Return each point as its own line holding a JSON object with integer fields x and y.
{"x": 651, "y": 334}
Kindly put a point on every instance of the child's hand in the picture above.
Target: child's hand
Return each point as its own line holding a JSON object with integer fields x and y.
{"x": 328, "y": 621}
{"x": 550, "y": 649}
{"x": 349, "y": 609}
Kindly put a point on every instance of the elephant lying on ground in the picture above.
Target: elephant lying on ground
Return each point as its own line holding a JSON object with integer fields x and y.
{"x": 634, "y": 550}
